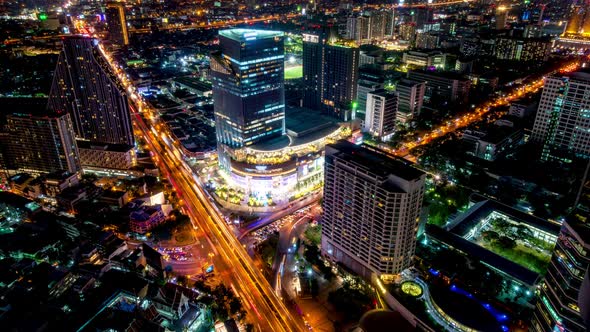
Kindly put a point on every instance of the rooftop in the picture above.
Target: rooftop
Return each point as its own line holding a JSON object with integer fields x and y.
{"x": 303, "y": 126}
{"x": 194, "y": 83}
{"x": 105, "y": 147}
{"x": 484, "y": 207}
{"x": 471, "y": 249}
{"x": 447, "y": 75}
{"x": 370, "y": 159}
{"x": 242, "y": 35}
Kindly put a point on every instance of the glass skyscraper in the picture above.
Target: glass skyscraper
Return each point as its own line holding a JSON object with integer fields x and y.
{"x": 559, "y": 306}
{"x": 248, "y": 88}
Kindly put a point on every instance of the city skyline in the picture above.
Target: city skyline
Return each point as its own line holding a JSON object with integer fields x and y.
{"x": 317, "y": 166}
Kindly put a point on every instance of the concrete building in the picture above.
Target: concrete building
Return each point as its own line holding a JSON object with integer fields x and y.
{"x": 423, "y": 60}
{"x": 369, "y": 80}
{"x": 522, "y": 49}
{"x": 407, "y": 32}
{"x": 494, "y": 143}
{"x": 38, "y": 141}
{"x": 410, "y": 99}
{"x": 562, "y": 123}
{"x": 380, "y": 115}
{"x": 56, "y": 182}
{"x": 85, "y": 86}
{"x": 106, "y": 156}
{"x": 501, "y": 17}
{"x": 330, "y": 74}
{"x": 145, "y": 218}
{"x": 444, "y": 86}
{"x": 371, "y": 209}
{"x": 359, "y": 29}
{"x": 427, "y": 40}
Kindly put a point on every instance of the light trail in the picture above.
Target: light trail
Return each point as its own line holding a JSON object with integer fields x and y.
{"x": 476, "y": 115}
{"x": 230, "y": 258}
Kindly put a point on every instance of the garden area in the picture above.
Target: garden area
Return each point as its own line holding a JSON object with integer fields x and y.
{"x": 177, "y": 231}
{"x": 516, "y": 243}
{"x": 353, "y": 299}
{"x": 313, "y": 234}
{"x": 229, "y": 194}
{"x": 293, "y": 72}
{"x": 261, "y": 200}
{"x": 267, "y": 249}
{"x": 444, "y": 200}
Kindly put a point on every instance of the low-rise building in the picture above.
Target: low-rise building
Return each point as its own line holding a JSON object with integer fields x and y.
{"x": 106, "y": 157}
{"x": 423, "y": 60}
{"x": 445, "y": 86}
{"x": 145, "y": 218}
{"x": 493, "y": 143}
{"x": 57, "y": 182}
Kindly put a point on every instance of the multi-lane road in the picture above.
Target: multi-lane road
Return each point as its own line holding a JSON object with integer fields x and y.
{"x": 231, "y": 261}
{"x": 474, "y": 116}
{"x": 229, "y": 257}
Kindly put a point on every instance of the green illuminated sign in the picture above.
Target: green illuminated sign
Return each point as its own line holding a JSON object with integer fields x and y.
{"x": 552, "y": 311}
{"x": 42, "y": 16}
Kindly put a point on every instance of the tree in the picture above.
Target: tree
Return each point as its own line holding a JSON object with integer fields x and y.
{"x": 490, "y": 236}
{"x": 314, "y": 234}
{"x": 523, "y": 232}
{"x": 235, "y": 306}
{"x": 506, "y": 242}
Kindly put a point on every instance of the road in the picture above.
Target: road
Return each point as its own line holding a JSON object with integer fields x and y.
{"x": 288, "y": 235}
{"x": 313, "y": 198}
{"x": 476, "y": 115}
{"x": 229, "y": 257}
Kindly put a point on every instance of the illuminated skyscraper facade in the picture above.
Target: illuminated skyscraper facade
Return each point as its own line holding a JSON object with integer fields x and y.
{"x": 85, "y": 87}
{"x": 248, "y": 88}
{"x": 330, "y": 75}
{"x": 562, "y": 124}
{"x": 371, "y": 207}
{"x": 559, "y": 303}
{"x": 38, "y": 141}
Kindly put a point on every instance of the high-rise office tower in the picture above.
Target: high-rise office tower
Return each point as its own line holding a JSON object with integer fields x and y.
{"x": 380, "y": 115}
{"x": 562, "y": 124}
{"x": 38, "y": 141}
{"x": 411, "y": 97}
{"x": 330, "y": 74}
{"x": 371, "y": 209}
{"x": 558, "y": 306}
{"x": 85, "y": 86}
{"x": 117, "y": 24}
{"x": 248, "y": 88}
